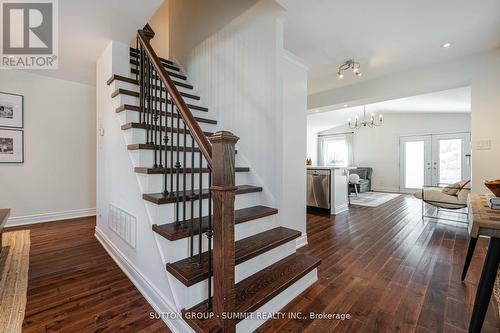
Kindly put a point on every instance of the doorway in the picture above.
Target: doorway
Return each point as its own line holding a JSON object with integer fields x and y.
{"x": 437, "y": 159}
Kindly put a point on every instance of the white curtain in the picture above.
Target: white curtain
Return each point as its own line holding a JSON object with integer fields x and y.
{"x": 323, "y": 140}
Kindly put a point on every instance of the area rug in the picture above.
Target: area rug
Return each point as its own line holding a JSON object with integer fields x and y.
{"x": 14, "y": 265}
{"x": 372, "y": 199}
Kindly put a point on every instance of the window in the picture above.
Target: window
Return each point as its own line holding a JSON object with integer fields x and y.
{"x": 335, "y": 151}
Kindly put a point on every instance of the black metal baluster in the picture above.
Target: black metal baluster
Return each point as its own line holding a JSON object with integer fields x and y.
{"x": 147, "y": 69}
{"x": 193, "y": 197}
{"x": 137, "y": 59}
{"x": 150, "y": 103}
{"x": 141, "y": 86}
{"x": 200, "y": 208}
{"x": 166, "y": 141}
{"x": 172, "y": 147}
{"x": 155, "y": 115}
{"x": 184, "y": 174}
{"x": 160, "y": 114}
{"x": 177, "y": 168}
{"x": 209, "y": 238}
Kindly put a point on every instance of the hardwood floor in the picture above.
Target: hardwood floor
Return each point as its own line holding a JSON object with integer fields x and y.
{"x": 74, "y": 286}
{"x": 384, "y": 267}
{"x": 390, "y": 271}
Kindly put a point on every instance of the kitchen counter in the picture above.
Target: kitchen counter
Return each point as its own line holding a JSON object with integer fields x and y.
{"x": 338, "y": 187}
{"x": 312, "y": 167}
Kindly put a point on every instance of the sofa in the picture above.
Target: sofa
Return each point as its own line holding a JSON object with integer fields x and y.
{"x": 365, "y": 179}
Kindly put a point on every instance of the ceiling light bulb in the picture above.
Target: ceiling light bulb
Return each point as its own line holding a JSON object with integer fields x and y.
{"x": 446, "y": 45}
{"x": 355, "y": 70}
{"x": 345, "y": 105}
{"x": 316, "y": 111}
{"x": 340, "y": 75}
{"x": 358, "y": 74}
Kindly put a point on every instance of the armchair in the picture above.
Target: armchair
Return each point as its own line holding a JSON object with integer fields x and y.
{"x": 365, "y": 180}
{"x": 451, "y": 197}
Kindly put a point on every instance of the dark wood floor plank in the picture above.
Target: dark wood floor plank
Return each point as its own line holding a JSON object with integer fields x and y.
{"x": 74, "y": 286}
{"x": 391, "y": 271}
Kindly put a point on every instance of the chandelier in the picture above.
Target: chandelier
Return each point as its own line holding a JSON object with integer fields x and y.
{"x": 357, "y": 123}
{"x": 349, "y": 65}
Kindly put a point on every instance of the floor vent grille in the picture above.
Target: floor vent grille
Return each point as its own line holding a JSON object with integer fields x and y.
{"x": 123, "y": 224}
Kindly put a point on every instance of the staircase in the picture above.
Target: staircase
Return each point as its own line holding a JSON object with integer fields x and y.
{"x": 227, "y": 255}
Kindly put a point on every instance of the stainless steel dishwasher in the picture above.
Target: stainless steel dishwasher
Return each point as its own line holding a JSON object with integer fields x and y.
{"x": 318, "y": 188}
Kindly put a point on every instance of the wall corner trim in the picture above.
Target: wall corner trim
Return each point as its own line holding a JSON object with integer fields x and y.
{"x": 151, "y": 293}
{"x": 50, "y": 217}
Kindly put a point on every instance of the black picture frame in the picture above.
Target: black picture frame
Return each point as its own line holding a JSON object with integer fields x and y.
{"x": 21, "y": 161}
{"x": 22, "y": 110}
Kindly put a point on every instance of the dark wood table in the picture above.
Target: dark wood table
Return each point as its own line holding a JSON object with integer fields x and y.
{"x": 483, "y": 221}
{"x": 4, "y": 215}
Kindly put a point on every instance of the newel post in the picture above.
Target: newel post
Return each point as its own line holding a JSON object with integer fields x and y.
{"x": 223, "y": 192}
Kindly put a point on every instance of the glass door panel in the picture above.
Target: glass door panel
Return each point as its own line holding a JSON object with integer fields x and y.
{"x": 415, "y": 162}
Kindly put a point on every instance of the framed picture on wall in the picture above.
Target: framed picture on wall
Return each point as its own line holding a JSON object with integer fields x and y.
{"x": 11, "y": 146}
{"x": 11, "y": 110}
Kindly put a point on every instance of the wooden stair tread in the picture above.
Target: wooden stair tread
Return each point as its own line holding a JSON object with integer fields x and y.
{"x": 128, "y": 107}
{"x": 134, "y": 81}
{"x": 174, "y": 231}
{"x": 188, "y": 272}
{"x": 134, "y": 51}
{"x": 163, "y": 128}
{"x": 121, "y": 91}
{"x": 155, "y": 171}
{"x": 258, "y": 289}
{"x": 134, "y": 62}
{"x": 136, "y": 93}
{"x": 157, "y": 77}
{"x": 161, "y": 198}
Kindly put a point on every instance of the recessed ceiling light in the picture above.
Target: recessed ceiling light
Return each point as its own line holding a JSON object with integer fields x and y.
{"x": 316, "y": 111}
{"x": 446, "y": 45}
{"x": 345, "y": 105}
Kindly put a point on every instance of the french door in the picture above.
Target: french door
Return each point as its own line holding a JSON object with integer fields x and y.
{"x": 433, "y": 160}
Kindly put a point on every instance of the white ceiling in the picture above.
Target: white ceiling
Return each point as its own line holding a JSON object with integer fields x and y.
{"x": 447, "y": 101}
{"x": 85, "y": 28}
{"x": 385, "y": 36}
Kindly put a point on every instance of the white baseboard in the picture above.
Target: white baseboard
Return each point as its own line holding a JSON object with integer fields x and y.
{"x": 386, "y": 189}
{"x": 301, "y": 241}
{"x": 151, "y": 293}
{"x": 50, "y": 217}
{"x": 340, "y": 209}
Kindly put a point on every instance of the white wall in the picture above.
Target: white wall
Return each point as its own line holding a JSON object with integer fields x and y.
{"x": 293, "y": 168}
{"x": 480, "y": 71}
{"x": 379, "y": 147}
{"x": 57, "y": 178}
{"x": 193, "y": 21}
{"x": 118, "y": 185}
{"x": 240, "y": 73}
{"x": 160, "y": 23}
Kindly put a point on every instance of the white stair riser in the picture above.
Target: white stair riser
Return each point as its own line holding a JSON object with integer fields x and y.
{"x": 134, "y": 87}
{"x": 131, "y": 100}
{"x": 129, "y": 116}
{"x": 161, "y": 214}
{"x": 139, "y": 135}
{"x": 145, "y": 158}
{"x": 180, "y": 249}
{"x": 279, "y": 302}
{"x": 155, "y": 183}
{"x": 190, "y": 296}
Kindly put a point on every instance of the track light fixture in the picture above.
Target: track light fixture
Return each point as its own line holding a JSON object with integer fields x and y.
{"x": 350, "y": 64}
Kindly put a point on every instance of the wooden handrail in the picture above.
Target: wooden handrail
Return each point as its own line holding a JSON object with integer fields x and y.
{"x": 195, "y": 130}
{"x": 219, "y": 152}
